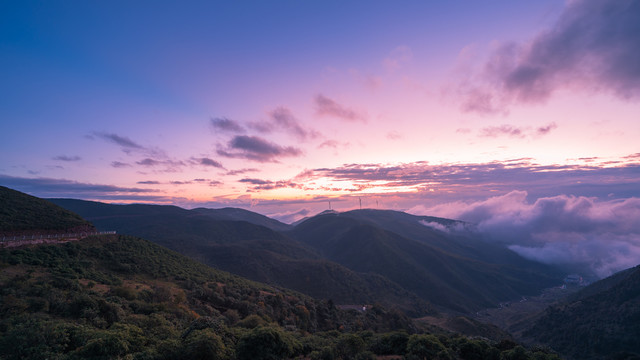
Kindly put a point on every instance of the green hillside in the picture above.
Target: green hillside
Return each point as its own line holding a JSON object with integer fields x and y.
{"x": 111, "y": 296}
{"x": 21, "y": 213}
{"x": 249, "y": 250}
{"x": 120, "y": 297}
{"x": 601, "y": 321}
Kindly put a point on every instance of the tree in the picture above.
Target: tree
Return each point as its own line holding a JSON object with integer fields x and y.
{"x": 266, "y": 343}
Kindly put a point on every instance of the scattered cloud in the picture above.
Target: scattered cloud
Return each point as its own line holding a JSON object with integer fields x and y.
{"x": 333, "y": 144}
{"x": 227, "y": 125}
{"x": 328, "y": 107}
{"x": 495, "y": 131}
{"x": 148, "y": 182}
{"x": 283, "y": 118}
{"x": 176, "y": 182}
{"x": 67, "y": 158}
{"x": 593, "y": 46}
{"x": 242, "y": 171}
{"x": 207, "y": 162}
{"x": 122, "y": 141}
{"x": 578, "y": 231}
{"x": 48, "y": 187}
{"x": 544, "y": 130}
{"x": 118, "y": 164}
{"x": 516, "y": 132}
{"x": 257, "y": 149}
{"x": 394, "y": 135}
{"x": 169, "y": 165}
{"x": 398, "y": 58}
{"x": 255, "y": 181}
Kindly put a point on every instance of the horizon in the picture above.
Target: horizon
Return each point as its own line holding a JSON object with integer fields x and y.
{"x": 443, "y": 109}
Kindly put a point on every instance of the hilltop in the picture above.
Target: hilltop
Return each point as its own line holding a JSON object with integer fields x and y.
{"x": 25, "y": 214}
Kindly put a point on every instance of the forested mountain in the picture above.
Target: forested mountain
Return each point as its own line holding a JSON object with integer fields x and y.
{"x": 121, "y": 297}
{"x": 359, "y": 256}
{"x": 445, "y": 278}
{"x": 249, "y": 250}
{"x": 601, "y": 321}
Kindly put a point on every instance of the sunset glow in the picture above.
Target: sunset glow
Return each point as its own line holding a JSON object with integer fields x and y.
{"x": 284, "y": 106}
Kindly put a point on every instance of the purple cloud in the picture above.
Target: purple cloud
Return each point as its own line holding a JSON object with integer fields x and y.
{"x": 593, "y": 46}
{"x": 148, "y": 162}
{"x": 208, "y": 162}
{"x": 118, "y": 164}
{"x": 544, "y": 130}
{"x": 48, "y": 187}
{"x": 123, "y": 141}
{"x": 228, "y": 125}
{"x": 495, "y": 131}
{"x": 283, "y": 118}
{"x": 255, "y": 181}
{"x": 67, "y": 158}
{"x": 328, "y": 107}
{"x": 257, "y": 149}
{"x": 148, "y": 182}
{"x": 242, "y": 171}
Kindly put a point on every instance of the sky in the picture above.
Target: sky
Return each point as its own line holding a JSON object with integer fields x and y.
{"x": 289, "y": 107}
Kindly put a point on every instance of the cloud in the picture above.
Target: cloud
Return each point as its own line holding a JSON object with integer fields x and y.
{"x": 516, "y": 132}
{"x": 67, "y": 158}
{"x": 48, "y": 187}
{"x": 603, "y": 179}
{"x": 289, "y": 217}
{"x": 394, "y": 135}
{"x": 207, "y": 162}
{"x": 333, "y": 144}
{"x": 228, "y": 125}
{"x": 257, "y": 149}
{"x": 122, "y": 141}
{"x": 255, "y": 181}
{"x": 328, "y": 107}
{"x": 170, "y": 165}
{"x": 592, "y": 47}
{"x": 118, "y": 164}
{"x": 544, "y": 130}
{"x": 242, "y": 171}
{"x": 284, "y": 119}
{"x": 148, "y": 182}
{"x": 583, "y": 232}
{"x": 398, "y": 58}
{"x": 495, "y": 131}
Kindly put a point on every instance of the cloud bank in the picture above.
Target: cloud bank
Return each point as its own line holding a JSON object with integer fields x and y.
{"x": 581, "y": 232}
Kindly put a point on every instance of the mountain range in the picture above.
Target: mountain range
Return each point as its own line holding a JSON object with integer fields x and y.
{"x": 114, "y": 296}
{"x": 417, "y": 263}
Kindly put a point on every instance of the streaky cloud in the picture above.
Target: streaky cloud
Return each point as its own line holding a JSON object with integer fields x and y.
{"x": 225, "y": 124}
{"x": 257, "y": 149}
{"x": 67, "y": 158}
{"x": 122, "y": 141}
{"x": 328, "y": 107}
